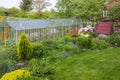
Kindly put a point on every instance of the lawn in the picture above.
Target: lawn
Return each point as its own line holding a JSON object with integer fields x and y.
{"x": 69, "y": 58}
{"x": 92, "y": 65}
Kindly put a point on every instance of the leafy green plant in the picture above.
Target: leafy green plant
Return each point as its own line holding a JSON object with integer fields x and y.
{"x": 99, "y": 44}
{"x": 50, "y": 44}
{"x": 53, "y": 45}
{"x": 54, "y": 56}
{"x": 68, "y": 38}
{"x": 104, "y": 37}
{"x": 38, "y": 50}
{"x": 71, "y": 49}
{"x": 25, "y": 48}
{"x": 59, "y": 44}
{"x": 3, "y": 67}
{"x": 40, "y": 69}
{"x": 115, "y": 39}
{"x": 83, "y": 42}
{"x": 6, "y": 65}
{"x": 11, "y": 51}
{"x": 113, "y": 10}
{"x": 7, "y": 59}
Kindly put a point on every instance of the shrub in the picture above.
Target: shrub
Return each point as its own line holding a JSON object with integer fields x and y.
{"x": 53, "y": 45}
{"x": 49, "y": 45}
{"x": 115, "y": 39}
{"x": 55, "y": 56}
{"x": 88, "y": 30}
{"x": 11, "y": 51}
{"x": 103, "y": 37}
{"x": 3, "y": 67}
{"x": 40, "y": 69}
{"x": 59, "y": 44}
{"x": 38, "y": 50}
{"x": 6, "y": 65}
{"x": 15, "y": 75}
{"x": 99, "y": 44}
{"x": 83, "y": 42}
{"x": 25, "y": 48}
{"x": 71, "y": 49}
{"x": 68, "y": 38}
{"x": 7, "y": 59}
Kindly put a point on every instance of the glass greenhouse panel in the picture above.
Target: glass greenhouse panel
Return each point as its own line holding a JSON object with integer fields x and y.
{"x": 42, "y": 29}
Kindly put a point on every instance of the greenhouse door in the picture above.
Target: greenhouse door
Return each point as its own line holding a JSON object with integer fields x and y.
{"x": 6, "y": 34}
{"x": 1, "y": 33}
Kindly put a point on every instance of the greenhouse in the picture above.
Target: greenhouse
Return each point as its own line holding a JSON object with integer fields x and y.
{"x": 36, "y": 30}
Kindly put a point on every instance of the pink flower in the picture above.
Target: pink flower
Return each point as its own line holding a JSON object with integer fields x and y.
{"x": 87, "y": 28}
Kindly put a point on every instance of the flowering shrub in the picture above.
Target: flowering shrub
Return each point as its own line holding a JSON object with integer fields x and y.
{"x": 87, "y": 28}
{"x": 86, "y": 31}
{"x": 17, "y": 74}
{"x": 76, "y": 32}
{"x": 84, "y": 35}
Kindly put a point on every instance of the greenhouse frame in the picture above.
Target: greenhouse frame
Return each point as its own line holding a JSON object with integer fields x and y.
{"x": 37, "y": 29}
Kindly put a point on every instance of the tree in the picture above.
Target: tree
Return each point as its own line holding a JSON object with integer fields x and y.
{"x": 25, "y": 48}
{"x": 53, "y": 13}
{"x": 64, "y": 10}
{"x": 26, "y": 5}
{"x": 82, "y": 9}
{"x": 46, "y": 14}
{"x": 13, "y": 11}
{"x": 115, "y": 11}
{"x": 3, "y": 11}
{"x": 21, "y": 14}
{"x": 40, "y": 5}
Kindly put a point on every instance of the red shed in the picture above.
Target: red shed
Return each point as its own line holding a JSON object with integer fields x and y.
{"x": 104, "y": 28}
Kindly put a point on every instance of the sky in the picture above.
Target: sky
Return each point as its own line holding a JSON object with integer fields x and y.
{"x": 16, "y": 3}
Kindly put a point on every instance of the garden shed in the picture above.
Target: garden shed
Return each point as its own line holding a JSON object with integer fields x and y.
{"x": 37, "y": 29}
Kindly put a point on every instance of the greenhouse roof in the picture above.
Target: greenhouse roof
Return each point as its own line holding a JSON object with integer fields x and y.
{"x": 40, "y": 23}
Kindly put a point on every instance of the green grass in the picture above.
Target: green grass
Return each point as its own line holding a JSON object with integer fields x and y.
{"x": 92, "y": 65}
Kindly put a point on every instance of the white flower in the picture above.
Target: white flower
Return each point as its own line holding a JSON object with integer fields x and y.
{"x": 86, "y": 35}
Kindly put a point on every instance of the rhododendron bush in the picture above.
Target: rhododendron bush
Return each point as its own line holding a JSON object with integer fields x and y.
{"x": 82, "y": 31}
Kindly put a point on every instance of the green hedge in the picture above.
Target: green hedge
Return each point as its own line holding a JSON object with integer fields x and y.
{"x": 115, "y": 39}
{"x": 83, "y": 42}
{"x": 38, "y": 50}
{"x": 99, "y": 44}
